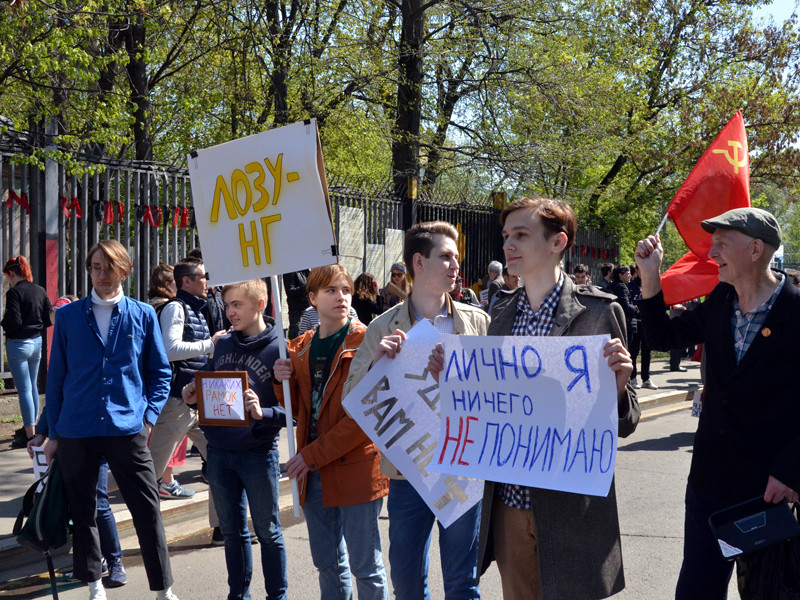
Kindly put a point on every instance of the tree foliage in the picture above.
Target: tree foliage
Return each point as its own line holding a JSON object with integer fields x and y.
{"x": 605, "y": 103}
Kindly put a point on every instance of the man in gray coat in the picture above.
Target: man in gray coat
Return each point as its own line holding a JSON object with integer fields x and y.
{"x": 551, "y": 544}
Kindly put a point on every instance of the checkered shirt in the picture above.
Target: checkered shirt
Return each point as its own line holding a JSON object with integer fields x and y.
{"x": 529, "y": 322}
{"x": 747, "y": 325}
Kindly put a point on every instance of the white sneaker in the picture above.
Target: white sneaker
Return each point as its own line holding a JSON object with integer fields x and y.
{"x": 166, "y": 595}
{"x": 635, "y": 383}
{"x": 96, "y": 590}
{"x": 649, "y": 385}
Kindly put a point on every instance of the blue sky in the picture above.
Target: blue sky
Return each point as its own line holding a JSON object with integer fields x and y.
{"x": 779, "y": 9}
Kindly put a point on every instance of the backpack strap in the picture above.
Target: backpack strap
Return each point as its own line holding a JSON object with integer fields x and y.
{"x": 160, "y": 309}
{"x": 27, "y": 505}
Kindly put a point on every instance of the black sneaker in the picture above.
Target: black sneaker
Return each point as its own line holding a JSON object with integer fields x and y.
{"x": 20, "y": 433}
{"x": 217, "y": 538}
{"x": 20, "y": 442}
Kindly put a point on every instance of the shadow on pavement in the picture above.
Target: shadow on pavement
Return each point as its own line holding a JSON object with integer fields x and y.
{"x": 676, "y": 441}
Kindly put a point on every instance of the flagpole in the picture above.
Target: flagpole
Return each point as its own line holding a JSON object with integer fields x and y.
{"x": 287, "y": 397}
{"x": 663, "y": 221}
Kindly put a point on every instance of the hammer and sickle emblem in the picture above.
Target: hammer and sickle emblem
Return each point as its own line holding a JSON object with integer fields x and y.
{"x": 737, "y": 160}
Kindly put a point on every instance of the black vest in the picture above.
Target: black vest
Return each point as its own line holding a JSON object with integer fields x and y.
{"x": 195, "y": 329}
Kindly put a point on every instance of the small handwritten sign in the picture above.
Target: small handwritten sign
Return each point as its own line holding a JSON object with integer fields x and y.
{"x": 220, "y": 398}
{"x": 535, "y": 411}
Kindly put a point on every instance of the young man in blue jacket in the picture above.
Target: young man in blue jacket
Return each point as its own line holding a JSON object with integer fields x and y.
{"x": 108, "y": 379}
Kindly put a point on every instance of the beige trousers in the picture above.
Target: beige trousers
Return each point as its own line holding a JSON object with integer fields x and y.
{"x": 515, "y": 550}
{"x": 175, "y": 421}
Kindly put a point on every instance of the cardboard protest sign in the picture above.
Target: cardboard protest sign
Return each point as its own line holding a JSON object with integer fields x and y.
{"x": 535, "y": 411}
{"x": 220, "y": 398}
{"x": 397, "y": 405}
{"x": 261, "y": 204}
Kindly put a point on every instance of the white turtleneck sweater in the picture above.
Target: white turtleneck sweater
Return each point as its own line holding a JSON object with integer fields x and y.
{"x": 102, "y": 310}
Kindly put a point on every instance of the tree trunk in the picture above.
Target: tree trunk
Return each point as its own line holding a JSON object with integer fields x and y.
{"x": 140, "y": 92}
{"x": 405, "y": 139}
{"x": 279, "y": 32}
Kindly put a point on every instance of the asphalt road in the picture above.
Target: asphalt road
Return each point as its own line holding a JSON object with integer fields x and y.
{"x": 650, "y": 477}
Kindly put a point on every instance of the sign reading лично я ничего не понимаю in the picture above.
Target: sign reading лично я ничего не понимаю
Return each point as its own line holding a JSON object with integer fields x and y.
{"x": 534, "y": 411}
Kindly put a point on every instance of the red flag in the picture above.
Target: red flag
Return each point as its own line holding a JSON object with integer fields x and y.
{"x": 689, "y": 278}
{"x": 719, "y": 182}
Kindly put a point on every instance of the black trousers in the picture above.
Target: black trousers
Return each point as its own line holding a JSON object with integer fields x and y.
{"x": 132, "y": 466}
{"x": 637, "y": 343}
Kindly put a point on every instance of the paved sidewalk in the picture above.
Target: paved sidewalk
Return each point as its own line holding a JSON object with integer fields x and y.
{"x": 185, "y": 517}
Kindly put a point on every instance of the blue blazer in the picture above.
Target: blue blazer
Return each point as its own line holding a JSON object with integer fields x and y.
{"x": 96, "y": 389}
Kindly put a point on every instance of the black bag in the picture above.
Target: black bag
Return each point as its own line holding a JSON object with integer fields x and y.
{"x": 772, "y": 573}
{"x": 47, "y": 526}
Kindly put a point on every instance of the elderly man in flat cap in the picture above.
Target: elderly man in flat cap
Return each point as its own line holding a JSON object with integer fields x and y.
{"x": 748, "y": 438}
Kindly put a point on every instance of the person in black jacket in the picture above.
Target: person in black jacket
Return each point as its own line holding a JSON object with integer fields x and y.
{"x": 748, "y": 436}
{"x": 294, "y": 284}
{"x": 366, "y": 301}
{"x": 26, "y": 316}
{"x": 620, "y": 278}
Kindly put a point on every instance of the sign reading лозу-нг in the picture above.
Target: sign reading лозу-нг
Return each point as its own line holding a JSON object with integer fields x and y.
{"x": 261, "y": 204}
{"x": 535, "y": 411}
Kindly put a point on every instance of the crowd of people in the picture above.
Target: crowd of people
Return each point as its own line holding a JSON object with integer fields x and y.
{"x": 121, "y": 395}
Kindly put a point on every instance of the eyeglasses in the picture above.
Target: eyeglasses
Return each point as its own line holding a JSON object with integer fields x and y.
{"x": 397, "y": 275}
{"x": 205, "y": 276}
{"x": 97, "y": 270}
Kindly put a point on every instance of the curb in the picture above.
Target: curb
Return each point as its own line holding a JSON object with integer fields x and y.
{"x": 181, "y": 518}
{"x": 666, "y": 399}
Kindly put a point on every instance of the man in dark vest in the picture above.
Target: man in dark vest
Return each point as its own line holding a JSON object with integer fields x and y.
{"x": 189, "y": 345}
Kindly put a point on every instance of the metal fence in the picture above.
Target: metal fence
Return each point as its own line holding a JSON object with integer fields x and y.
{"x": 54, "y": 217}
{"x": 478, "y": 224}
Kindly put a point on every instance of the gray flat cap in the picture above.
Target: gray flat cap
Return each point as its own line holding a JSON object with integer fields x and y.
{"x": 754, "y": 222}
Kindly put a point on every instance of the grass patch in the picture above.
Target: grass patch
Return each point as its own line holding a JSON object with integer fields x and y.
{"x": 12, "y": 419}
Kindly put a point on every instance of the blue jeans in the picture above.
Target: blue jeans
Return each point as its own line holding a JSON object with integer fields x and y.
{"x": 410, "y": 529}
{"x": 106, "y": 523}
{"x": 338, "y": 531}
{"x": 236, "y": 477}
{"x": 23, "y": 360}
{"x": 704, "y": 574}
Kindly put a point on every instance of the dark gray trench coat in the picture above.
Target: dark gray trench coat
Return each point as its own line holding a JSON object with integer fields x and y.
{"x": 580, "y": 554}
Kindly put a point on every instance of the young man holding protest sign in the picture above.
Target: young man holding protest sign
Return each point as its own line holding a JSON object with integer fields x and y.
{"x": 431, "y": 255}
{"x": 189, "y": 344}
{"x": 553, "y": 544}
{"x": 337, "y": 466}
{"x": 243, "y": 463}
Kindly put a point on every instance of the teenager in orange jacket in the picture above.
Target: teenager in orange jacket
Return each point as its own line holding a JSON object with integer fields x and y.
{"x": 336, "y": 465}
